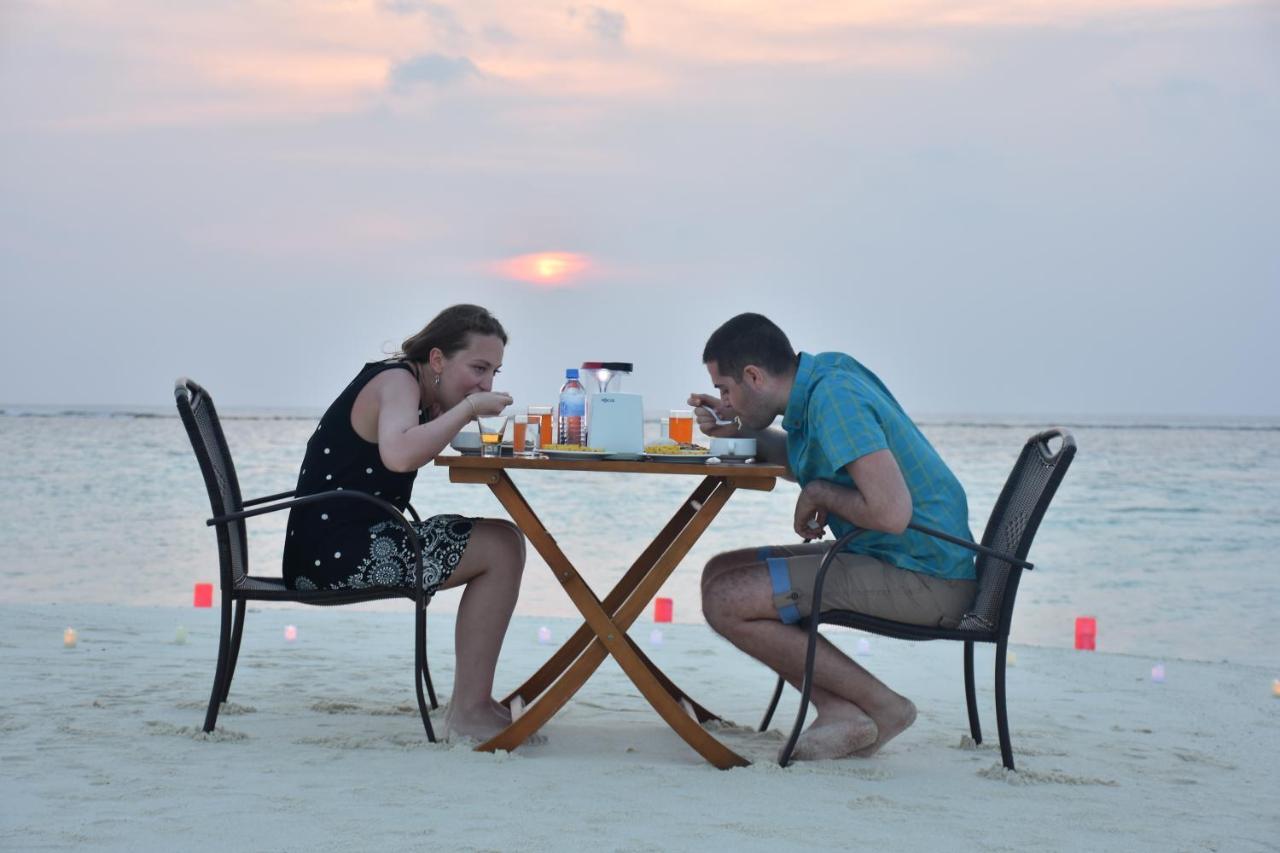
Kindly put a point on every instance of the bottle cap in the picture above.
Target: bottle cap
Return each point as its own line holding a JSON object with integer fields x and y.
{"x": 571, "y": 373}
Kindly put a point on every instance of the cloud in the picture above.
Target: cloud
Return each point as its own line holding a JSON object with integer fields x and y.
{"x": 606, "y": 24}
{"x": 500, "y": 35}
{"x": 444, "y": 18}
{"x": 434, "y": 68}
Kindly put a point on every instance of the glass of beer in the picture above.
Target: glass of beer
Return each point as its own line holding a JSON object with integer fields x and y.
{"x": 682, "y": 425}
{"x": 491, "y": 430}
{"x": 545, "y": 432}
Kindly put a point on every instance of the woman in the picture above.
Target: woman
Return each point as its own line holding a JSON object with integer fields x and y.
{"x": 395, "y": 417}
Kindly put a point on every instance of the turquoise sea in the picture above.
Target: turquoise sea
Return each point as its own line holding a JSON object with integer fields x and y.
{"x": 1168, "y": 532}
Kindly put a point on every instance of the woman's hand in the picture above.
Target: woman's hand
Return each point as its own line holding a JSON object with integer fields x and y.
{"x": 811, "y": 513}
{"x": 488, "y": 403}
{"x": 712, "y": 414}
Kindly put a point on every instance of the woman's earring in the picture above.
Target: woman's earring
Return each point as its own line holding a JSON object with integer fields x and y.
{"x": 437, "y": 380}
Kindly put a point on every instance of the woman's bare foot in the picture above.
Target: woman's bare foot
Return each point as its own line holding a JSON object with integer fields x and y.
{"x": 483, "y": 724}
{"x": 891, "y": 724}
{"x": 836, "y": 735}
{"x": 478, "y": 723}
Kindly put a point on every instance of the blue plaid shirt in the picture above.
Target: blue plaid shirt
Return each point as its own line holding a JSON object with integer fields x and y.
{"x": 838, "y": 412}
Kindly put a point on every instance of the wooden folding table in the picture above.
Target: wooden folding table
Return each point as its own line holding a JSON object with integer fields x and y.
{"x": 605, "y": 630}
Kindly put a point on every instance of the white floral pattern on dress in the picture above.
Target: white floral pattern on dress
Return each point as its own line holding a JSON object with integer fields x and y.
{"x": 389, "y": 561}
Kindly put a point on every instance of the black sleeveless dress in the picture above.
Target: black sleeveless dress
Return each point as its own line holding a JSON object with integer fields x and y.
{"x": 350, "y": 544}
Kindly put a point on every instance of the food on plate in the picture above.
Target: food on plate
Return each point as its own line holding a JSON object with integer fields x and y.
{"x": 574, "y": 448}
{"x": 675, "y": 449}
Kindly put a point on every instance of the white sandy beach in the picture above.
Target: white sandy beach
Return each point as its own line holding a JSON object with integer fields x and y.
{"x": 320, "y": 748}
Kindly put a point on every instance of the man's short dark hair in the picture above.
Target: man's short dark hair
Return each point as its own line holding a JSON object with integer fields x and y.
{"x": 749, "y": 339}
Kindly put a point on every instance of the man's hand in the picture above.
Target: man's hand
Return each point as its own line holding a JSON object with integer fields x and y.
{"x": 714, "y": 417}
{"x": 811, "y": 512}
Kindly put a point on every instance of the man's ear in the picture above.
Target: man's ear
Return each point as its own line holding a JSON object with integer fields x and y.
{"x": 753, "y": 376}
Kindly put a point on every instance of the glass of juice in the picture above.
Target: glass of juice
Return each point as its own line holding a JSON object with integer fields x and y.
{"x": 682, "y": 425}
{"x": 524, "y": 435}
{"x": 546, "y": 435}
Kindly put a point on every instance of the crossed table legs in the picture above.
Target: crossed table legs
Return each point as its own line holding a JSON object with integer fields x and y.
{"x": 605, "y": 630}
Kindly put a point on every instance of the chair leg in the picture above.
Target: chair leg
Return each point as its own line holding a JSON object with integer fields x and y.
{"x": 220, "y": 674}
{"x": 420, "y": 667}
{"x": 426, "y": 668}
{"x": 773, "y": 704}
{"x": 1002, "y": 715}
{"x": 806, "y": 686}
{"x": 236, "y": 632}
{"x": 970, "y": 695}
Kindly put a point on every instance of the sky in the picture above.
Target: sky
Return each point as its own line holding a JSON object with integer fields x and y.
{"x": 1000, "y": 207}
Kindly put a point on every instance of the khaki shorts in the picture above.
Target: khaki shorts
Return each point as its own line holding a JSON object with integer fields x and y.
{"x": 864, "y": 584}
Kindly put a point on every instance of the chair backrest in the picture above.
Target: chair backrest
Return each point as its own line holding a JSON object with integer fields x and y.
{"x": 1013, "y": 524}
{"x": 195, "y": 407}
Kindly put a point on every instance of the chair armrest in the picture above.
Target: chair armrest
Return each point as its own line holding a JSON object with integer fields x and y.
{"x": 318, "y": 497}
{"x": 268, "y": 498}
{"x": 972, "y": 546}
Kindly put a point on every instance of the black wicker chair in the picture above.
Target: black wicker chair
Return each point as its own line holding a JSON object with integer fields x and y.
{"x": 195, "y": 406}
{"x": 1001, "y": 559}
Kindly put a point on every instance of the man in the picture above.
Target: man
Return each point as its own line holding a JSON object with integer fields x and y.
{"x": 860, "y": 462}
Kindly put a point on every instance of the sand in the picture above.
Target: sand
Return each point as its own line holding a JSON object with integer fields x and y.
{"x": 320, "y": 748}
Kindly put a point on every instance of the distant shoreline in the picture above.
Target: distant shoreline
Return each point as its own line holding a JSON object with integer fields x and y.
{"x": 1240, "y": 423}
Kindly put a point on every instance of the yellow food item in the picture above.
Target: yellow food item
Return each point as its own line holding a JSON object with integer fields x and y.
{"x": 576, "y": 448}
{"x": 676, "y": 449}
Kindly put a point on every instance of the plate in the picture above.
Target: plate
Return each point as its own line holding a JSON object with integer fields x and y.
{"x": 678, "y": 457}
{"x": 573, "y": 454}
{"x": 507, "y": 450}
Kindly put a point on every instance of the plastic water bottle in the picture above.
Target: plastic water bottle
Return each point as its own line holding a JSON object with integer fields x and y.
{"x": 573, "y": 408}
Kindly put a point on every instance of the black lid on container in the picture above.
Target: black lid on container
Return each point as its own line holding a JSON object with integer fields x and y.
{"x": 615, "y": 366}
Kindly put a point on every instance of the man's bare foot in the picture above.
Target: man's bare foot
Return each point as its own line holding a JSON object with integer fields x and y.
{"x": 835, "y": 736}
{"x": 890, "y": 725}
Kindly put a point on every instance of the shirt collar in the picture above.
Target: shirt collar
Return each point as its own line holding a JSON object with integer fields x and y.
{"x": 793, "y": 417}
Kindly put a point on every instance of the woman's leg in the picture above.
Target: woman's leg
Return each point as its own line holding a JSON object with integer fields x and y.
{"x": 490, "y": 568}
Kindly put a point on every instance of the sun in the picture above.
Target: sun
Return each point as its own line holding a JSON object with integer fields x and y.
{"x": 550, "y": 269}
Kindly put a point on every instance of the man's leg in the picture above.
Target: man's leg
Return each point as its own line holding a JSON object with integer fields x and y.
{"x": 857, "y": 713}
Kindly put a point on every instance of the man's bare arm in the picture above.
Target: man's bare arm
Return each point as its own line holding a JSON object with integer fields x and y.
{"x": 879, "y": 500}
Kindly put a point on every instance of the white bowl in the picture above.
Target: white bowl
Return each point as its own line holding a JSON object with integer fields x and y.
{"x": 466, "y": 441}
{"x": 741, "y": 447}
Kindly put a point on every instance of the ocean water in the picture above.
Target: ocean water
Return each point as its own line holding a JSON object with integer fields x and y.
{"x": 1168, "y": 533}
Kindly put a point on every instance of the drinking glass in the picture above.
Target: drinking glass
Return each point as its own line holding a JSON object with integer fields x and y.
{"x": 682, "y": 425}
{"x": 545, "y": 431}
{"x": 491, "y": 430}
{"x": 525, "y": 432}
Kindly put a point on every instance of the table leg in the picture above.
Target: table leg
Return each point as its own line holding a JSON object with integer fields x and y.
{"x": 610, "y": 635}
{"x": 558, "y": 662}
